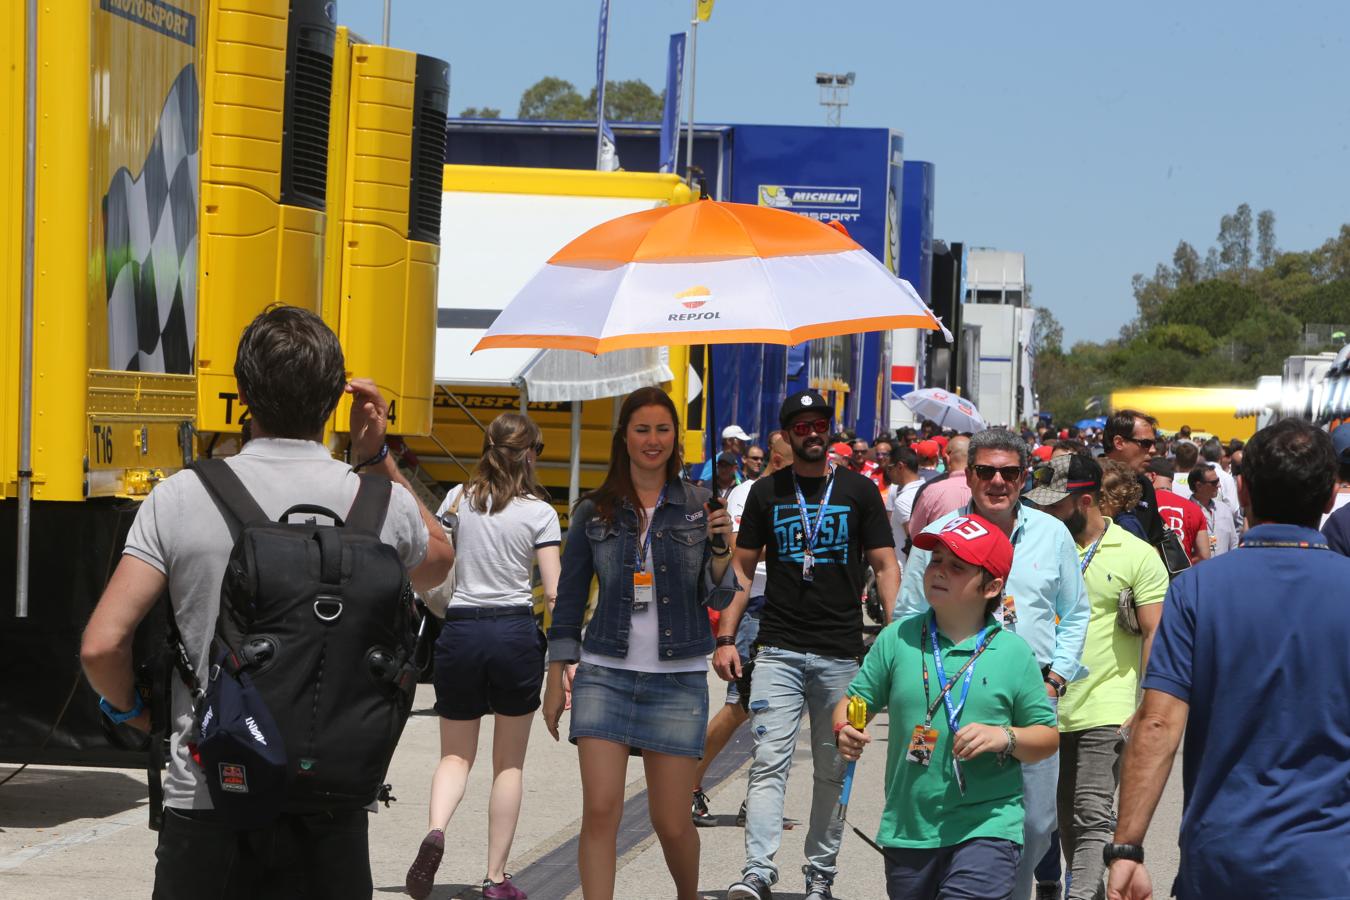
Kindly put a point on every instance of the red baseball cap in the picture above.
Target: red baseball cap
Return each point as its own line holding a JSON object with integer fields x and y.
{"x": 1043, "y": 452}
{"x": 928, "y": 449}
{"x": 940, "y": 440}
{"x": 975, "y": 540}
{"x": 842, "y": 449}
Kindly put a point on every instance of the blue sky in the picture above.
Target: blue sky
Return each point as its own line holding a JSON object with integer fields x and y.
{"x": 1091, "y": 139}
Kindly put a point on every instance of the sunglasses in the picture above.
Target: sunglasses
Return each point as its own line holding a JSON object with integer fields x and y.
{"x": 539, "y": 449}
{"x": 1144, "y": 443}
{"x": 755, "y": 458}
{"x": 1008, "y": 473}
{"x": 818, "y": 426}
{"x": 1209, "y": 481}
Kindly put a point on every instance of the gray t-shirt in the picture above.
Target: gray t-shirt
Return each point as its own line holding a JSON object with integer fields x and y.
{"x": 494, "y": 553}
{"x": 180, "y": 531}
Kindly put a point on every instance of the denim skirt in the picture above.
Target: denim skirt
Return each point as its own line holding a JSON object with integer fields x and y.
{"x": 665, "y": 712}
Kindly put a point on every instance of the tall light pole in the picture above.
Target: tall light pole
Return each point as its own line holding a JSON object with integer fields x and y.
{"x": 386, "y": 21}
{"x": 834, "y": 90}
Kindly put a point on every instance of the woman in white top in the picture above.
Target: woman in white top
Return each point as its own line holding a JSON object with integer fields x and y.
{"x": 490, "y": 654}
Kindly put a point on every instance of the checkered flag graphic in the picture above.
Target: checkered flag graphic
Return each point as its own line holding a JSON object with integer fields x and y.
{"x": 150, "y": 245}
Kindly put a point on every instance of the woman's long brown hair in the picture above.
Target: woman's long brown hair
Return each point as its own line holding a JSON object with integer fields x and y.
{"x": 504, "y": 471}
{"x": 618, "y": 484}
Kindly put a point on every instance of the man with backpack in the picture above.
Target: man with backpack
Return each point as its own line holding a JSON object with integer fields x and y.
{"x": 261, "y": 821}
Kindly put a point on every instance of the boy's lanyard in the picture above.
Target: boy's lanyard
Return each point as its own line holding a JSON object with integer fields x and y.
{"x": 968, "y": 670}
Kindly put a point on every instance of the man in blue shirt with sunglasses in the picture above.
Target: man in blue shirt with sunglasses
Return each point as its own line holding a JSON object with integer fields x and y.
{"x": 1044, "y": 602}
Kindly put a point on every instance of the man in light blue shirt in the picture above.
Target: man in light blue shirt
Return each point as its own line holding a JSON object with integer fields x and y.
{"x": 1045, "y": 585}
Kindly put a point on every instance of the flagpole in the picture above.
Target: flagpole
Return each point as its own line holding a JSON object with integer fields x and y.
{"x": 600, "y": 87}
{"x": 693, "y": 77}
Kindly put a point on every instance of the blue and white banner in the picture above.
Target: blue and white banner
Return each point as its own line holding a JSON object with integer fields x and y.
{"x": 670, "y": 116}
{"x": 601, "y": 44}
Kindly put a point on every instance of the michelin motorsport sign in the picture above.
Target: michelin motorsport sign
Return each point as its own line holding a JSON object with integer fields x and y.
{"x": 814, "y": 201}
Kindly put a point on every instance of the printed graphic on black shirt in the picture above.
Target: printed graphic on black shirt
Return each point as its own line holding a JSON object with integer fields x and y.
{"x": 822, "y": 615}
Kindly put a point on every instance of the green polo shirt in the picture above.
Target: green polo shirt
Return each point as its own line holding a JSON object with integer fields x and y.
{"x": 1108, "y": 695}
{"x": 924, "y": 807}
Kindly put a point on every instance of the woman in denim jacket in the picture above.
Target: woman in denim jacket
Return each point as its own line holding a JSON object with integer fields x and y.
{"x": 641, "y": 688}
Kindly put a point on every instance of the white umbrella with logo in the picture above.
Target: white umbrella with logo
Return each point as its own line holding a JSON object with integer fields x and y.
{"x": 948, "y": 410}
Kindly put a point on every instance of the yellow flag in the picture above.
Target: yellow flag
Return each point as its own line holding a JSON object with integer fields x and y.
{"x": 705, "y": 10}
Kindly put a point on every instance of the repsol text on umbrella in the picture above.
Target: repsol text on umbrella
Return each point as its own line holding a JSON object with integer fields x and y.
{"x": 693, "y": 316}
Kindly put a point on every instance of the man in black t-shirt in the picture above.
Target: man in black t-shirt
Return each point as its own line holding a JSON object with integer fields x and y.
{"x": 820, "y": 526}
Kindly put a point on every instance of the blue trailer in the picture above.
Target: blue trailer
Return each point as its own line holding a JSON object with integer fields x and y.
{"x": 853, "y": 175}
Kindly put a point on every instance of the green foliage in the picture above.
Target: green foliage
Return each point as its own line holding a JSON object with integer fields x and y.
{"x": 481, "y": 112}
{"x": 557, "y": 99}
{"x": 1222, "y": 318}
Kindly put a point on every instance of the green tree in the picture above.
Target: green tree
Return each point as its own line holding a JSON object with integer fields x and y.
{"x": 1235, "y": 241}
{"x": 1216, "y": 306}
{"x": 1265, "y": 239}
{"x": 481, "y": 112}
{"x": 556, "y": 99}
{"x": 1185, "y": 264}
{"x": 1149, "y": 293}
{"x": 1047, "y": 335}
{"x": 630, "y": 101}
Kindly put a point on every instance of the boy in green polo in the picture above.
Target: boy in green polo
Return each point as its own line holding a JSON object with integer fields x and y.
{"x": 967, "y": 705}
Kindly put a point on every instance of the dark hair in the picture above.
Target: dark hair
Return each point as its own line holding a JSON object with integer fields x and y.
{"x": 1072, "y": 445}
{"x": 1161, "y": 465}
{"x": 1121, "y": 424}
{"x": 1187, "y": 454}
{"x": 290, "y": 369}
{"x": 618, "y": 485}
{"x": 1212, "y": 451}
{"x": 1194, "y": 477}
{"x": 504, "y": 471}
{"x": 905, "y": 456}
{"x": 1290, "y": 472}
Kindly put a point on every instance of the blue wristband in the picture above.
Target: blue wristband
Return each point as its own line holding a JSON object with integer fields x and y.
{"x": 377, "y": 458}
{"x": 116, "y": 716}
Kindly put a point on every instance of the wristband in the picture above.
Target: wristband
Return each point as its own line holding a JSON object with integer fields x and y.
{"x": 726, "y": 640}
{"x": 838, "y": 727}
{"x": 116, "y": 716}
{"x": 1012, "y": 745}
{"x": 374, "y": 460}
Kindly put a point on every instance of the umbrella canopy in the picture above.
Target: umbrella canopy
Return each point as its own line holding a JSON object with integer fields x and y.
{"x": 706, "y": 273}
{"x": 1099, "y": 422}
{"x": 945, "y": 408}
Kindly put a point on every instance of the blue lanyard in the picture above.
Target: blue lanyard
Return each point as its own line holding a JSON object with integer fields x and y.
{"x": 809, "y": 533}
{"x": 641, "y": 562}
{"x": 954, "y": 710}
{"x": 1092, "y": 551}
{"x": 1287, "y": 545}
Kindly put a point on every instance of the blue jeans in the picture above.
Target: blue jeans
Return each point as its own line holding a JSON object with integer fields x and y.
{"x": 1040, "y": 785}
{"x": 786, "y": 684}
{"x": 979, "y": 869}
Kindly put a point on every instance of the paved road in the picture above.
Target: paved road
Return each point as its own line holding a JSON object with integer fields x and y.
{"x": 81, "y": 833}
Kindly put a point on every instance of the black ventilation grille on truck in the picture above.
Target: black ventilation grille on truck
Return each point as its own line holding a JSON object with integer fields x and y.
{"x": 431, "y": 101}
{"x": 309, "y": 88}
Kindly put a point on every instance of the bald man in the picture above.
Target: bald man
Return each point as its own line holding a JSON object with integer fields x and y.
{"x": 944, "y": 493}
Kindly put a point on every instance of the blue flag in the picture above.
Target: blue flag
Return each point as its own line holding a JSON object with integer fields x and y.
{"x": 601, "y": 44}
{"x": 670, "y": 117}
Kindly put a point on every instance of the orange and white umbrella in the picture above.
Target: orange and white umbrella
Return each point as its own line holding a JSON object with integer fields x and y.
{"x": 706, "y": 273}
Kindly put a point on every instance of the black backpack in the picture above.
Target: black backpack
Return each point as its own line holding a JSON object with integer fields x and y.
{"x": 313, "y": 667}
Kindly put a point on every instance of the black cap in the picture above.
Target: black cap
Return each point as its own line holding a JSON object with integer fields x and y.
{"x": 803, "y": 401}
{"x": 728, "y": 458}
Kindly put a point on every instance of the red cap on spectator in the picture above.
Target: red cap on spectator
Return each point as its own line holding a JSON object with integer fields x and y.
{"x": 927, "y": 449}
{"x": 940, "y": 440}
{"x": 842, "y": 449}
{"x": 1043, "y": 452}
{"x": 975, "y": 540}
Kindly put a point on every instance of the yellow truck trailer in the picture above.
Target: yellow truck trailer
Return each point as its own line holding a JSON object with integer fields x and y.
{"x": 176, "y": 167}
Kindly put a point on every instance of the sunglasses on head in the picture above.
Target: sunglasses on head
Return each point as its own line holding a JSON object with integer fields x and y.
{"x": 539, "y": 449}
{"x": 818, "y": 426}
{"x": 1008, "y": 473}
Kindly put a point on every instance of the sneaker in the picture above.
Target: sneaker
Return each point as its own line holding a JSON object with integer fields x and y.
{"x": 502, "y": 890}
{"x": 751, "y": 887}
{"x": 422, "y": 873}
{"x": 740, "y": 816}
{"x": 702, "y": 818}
{"x": 817, "y": 885}
{"x": 1047, "y": 890}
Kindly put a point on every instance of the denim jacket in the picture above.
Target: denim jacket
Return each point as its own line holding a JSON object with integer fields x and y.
{"x": 681, "y": 560}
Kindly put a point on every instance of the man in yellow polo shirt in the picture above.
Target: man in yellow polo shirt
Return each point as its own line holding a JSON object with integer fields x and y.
{"x": 1095, "y": 712}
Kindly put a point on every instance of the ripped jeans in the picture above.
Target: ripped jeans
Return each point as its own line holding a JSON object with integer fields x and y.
{"x": 784, "y": 685}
